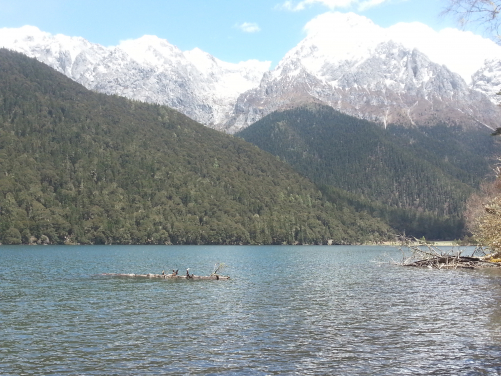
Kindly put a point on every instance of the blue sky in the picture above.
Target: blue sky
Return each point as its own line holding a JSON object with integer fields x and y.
{"x": 231, "y": 30}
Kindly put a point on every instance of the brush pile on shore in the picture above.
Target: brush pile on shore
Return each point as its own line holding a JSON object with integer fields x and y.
{"x": 420, "y": 254}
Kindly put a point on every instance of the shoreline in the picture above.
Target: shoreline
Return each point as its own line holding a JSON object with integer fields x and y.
{"x": 438, "y": 243}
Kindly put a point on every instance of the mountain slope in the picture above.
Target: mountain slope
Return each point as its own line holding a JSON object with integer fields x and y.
{"x": 402, "y": 168}
{"x": 82, "y": 167}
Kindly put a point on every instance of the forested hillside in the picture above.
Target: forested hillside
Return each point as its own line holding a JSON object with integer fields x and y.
{"x": 417, "y": 179}
{"x": 82, "y": 167}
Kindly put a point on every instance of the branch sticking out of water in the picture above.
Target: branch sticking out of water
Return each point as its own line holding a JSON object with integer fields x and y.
{"x": 218, "y": 267}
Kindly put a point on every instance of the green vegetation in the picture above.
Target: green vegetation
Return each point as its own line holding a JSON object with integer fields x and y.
{"x": 417, "y": 180}
{"x": 407, "y": 221}
{"x": 483, "y": 215}
{"x": 487, "y": 231}
{"x": 82, "y": 167}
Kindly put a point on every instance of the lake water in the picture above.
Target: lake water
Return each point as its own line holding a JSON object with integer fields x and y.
{"x": 287, "y": 310}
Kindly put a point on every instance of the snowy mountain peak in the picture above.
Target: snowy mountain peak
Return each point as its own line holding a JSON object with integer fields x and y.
{"x": 388, "y": 83}
{"x": 58, "y": 51}
{"x": 388, "y": 75}
{"x": 351, "y": 37}
{"x": 202, "y": 60}
{"x": 147, "y": 69}
{"x": 338, "y": 37}
{"x": 487, "y": 80}
{"x": 151, "y": 50}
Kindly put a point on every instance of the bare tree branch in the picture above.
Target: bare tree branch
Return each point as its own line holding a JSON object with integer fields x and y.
{"x": 484, "y": 13}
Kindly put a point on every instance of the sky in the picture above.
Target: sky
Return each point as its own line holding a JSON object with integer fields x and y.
{"x": 231, "y": 30}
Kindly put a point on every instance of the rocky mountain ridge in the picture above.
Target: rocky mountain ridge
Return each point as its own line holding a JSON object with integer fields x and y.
{"x": 487, "y": 80}
{"x": 147, "y": 69}
{"x": 392, "y": 85}
{"x": 366, "y": 75}
{"x": 371, "y": 73}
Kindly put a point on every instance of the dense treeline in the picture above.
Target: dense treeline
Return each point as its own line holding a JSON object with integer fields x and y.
{"x": 416, "y": 179}
{"x": 82, "y": 167}
{"x": 409, "y": 222}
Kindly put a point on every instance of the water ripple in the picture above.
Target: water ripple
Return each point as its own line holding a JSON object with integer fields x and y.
{"x": 287, "y": 310}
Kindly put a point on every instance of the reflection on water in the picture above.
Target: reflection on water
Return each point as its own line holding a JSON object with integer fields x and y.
{"x": 287, "y": 310}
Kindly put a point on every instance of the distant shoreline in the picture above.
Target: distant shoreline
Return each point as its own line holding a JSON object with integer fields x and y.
{"x": 438, "y": 243}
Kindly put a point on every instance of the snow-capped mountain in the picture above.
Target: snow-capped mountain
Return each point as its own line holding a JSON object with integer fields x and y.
{"x": 345, "y": 61}
{"x": 487, "y": 80}
{"x": 147, "y": 69}
{"x": 366, "y": 74}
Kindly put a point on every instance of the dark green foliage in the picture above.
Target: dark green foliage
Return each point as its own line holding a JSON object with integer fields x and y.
{"x": 416, "y": 179}
{"x": 409, "y": 222}
{"x": 82, "y": 167}
{"x": 465, "y": 154}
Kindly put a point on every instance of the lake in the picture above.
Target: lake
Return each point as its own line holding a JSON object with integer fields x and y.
{"x": 288, "y": 310}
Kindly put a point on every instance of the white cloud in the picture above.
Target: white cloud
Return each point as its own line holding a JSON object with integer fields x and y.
{"x": 350, "y": 36}
{"x": 461, "y": 51}
{"x": 331, "y": 4}
{"x": 249, "y": 27}
{"x": 364, "y": 5}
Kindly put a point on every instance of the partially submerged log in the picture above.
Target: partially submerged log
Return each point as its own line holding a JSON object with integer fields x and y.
{"x": 174, "y": 275}
{"x": 169, "y": 276}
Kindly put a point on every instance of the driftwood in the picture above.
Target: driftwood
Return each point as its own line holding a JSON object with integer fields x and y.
{"x": 421, "y": 254}
{"x": 174, "y": 275}
{"x": 454, "y": 262}
{"x": 168, "y": 276}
